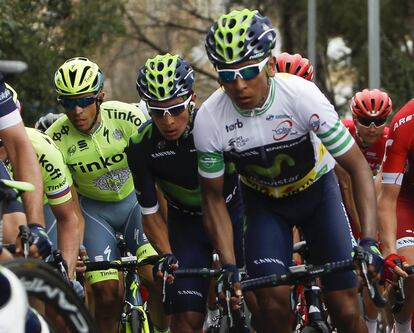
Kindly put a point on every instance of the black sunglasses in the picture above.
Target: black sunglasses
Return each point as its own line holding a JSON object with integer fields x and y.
{"x": 71, "y": 103}
{"x": 366, "y": 122}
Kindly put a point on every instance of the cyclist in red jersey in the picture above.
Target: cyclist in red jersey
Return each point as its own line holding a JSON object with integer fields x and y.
{"x": 370, "y": 109}
{"x": 396, "y": 209}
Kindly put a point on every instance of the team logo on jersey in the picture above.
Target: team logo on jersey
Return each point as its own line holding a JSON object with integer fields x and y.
{"x": 49, "y": 167}
{"x": 282, "y": 130}
{"x": 117, "y": 134}
{"x": 403, "y": 121}
{"x": 314, "y": 122}
{"x": 82, "y": 144}
{"x": 71, "y": 150}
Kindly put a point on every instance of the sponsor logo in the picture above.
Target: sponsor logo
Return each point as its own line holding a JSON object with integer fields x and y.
{"x": 103, "y": 162}
{"x": 208, "y": 161}
{"x": 238, "y": 142}
{"x": 402, "y": 121}
{"x": 277, "y": 116}
{"x": 82, "y": 145}
{"x": 117, "y": 134}
{"x": 405, "y": 241}
{"x": 268, "y": 261}
{"x": 232, "y": 127}
{"x": 161, "y": 144}
{"x": 190, "y": 292}
{"x": 57, "y": 136}
{"x": 257, "y": 55}
{"x": 112, "y": 180}
{"x": 5, "y": 95}
{"x": 314, "y": 122}
{"x": 71, "y": 150}
{"x": 163, "y": 153}
{"x": 56, "y": 187}
{"x": 46, "y": 165}
{"x": 128, "y": 116}
{"x": 282, "y": 130}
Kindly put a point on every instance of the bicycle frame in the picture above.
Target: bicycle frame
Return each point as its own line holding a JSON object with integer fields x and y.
{"x": 134, "y": 316}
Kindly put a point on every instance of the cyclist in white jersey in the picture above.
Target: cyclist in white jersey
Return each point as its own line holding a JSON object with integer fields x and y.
{"x": 282, "y": 134}
{"x": 92, "y": 137}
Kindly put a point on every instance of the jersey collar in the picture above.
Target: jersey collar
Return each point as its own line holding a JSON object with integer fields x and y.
{"x": 266, "y": 105}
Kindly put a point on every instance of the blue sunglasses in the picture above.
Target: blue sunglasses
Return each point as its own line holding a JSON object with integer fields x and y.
{"x": 246, "y": 73}
{"x": 71, "y": 103}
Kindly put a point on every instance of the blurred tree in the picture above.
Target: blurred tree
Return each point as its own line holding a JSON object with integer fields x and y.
{"x": 45, "y": 33}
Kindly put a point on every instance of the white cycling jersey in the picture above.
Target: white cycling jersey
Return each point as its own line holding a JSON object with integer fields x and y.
{"x": 9, "y": 113}
{"x": 280, "y": 148}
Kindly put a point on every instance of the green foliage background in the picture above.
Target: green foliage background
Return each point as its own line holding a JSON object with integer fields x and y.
{"x": 44, "y": 33}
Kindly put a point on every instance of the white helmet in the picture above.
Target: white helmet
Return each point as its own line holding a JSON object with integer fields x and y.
{"x": 13, "y": 312}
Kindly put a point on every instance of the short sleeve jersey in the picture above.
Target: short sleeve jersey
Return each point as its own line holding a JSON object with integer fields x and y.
{"x": 374, "y": 154}
{"x": 281, "y": 148}
{"x": 55, "y": 174}
{"x": 172, "y": 165}
{"x": 97, "y": 162}
{"x": 398, "y": 166}
{"x": 9, "y": 113}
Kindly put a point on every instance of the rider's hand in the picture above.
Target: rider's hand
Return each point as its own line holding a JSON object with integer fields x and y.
{"x": 375, "y": 262}
{"x": 40, "y": 239}
{"x": 231, "y": 278}
{"x": 78, "y": 288}
{"x": 392, "y": 267}
{"x": 82, "y": 257}
{"x": 167, "y": 263}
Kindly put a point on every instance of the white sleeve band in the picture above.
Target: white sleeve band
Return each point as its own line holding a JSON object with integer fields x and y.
{"x": 149, "y": 210}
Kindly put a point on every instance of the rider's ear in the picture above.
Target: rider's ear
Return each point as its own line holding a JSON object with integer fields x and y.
{"x": 191, "y": 106}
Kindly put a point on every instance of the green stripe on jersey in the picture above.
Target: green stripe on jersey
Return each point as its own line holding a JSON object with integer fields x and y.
{"x": 332, "y": 130}
{"x": 336, "y": 151}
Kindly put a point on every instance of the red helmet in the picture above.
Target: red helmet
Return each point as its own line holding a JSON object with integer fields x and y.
{"x": 371, "y": 104}
{"x": 294, "y": 64}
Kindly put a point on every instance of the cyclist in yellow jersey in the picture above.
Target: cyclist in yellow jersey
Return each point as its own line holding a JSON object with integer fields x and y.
{"x": 92, "y": 137}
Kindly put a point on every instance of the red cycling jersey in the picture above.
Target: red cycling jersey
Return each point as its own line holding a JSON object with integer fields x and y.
{"x": 374, "y": 153}
{"x": 398, "y": 169}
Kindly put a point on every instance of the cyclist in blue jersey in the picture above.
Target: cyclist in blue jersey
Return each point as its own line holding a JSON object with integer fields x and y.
{"x": 284, "y": 137}
{"x": 161, "y": 154}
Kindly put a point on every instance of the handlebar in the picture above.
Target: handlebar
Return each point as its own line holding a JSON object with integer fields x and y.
{"x": 121, "y": 264}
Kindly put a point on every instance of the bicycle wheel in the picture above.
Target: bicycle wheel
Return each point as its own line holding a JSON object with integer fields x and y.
{"x": 43, "y": 283}
{"x": 309, "y": 329}
{"x": 136, "y": 323}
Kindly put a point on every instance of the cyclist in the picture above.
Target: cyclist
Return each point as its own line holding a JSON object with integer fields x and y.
{"x": 287, "y": 132}
{"x": 57, "y": 196}
{"x": 21, "y": 154}
{"x": 162, "y": 154}
{"x": 92, "y": 137}
{"x": 370, "y": 109}
{"x": 294, "y": 64}
{"x": 395, "y": 207}
{"x": 13, "y": 300}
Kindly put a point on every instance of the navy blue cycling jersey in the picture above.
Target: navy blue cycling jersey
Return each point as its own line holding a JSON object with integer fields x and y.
{"x": 172, "y": 165}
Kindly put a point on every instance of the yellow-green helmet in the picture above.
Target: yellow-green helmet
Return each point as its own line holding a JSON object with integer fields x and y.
{"x": 239, "y": 36}
{"x": 78, "y": 76}
{"x": 164, "y": 77}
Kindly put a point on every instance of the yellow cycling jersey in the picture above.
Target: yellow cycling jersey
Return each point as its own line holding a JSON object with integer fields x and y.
{"x": 97, "y": 161}
{"x": 55, "y": 174}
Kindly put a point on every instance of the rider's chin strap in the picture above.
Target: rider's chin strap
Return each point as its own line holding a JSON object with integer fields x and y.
{"x": 98, "y": 103}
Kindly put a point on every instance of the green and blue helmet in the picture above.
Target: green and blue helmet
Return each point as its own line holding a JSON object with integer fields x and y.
{"x": 164, "y": 77}
{"x": 239, "y": 36}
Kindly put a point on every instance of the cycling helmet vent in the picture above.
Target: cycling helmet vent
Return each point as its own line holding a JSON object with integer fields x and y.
{"x": 371, "y": 104}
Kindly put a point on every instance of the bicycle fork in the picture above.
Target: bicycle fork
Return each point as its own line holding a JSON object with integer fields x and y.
{"x": 316, "y": 311}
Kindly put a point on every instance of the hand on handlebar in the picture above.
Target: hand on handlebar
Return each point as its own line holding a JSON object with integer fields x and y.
{"x": 374, "y": 258}
{"x": 164, "y": 268}
{"x": 33, "y": 241}
{"x": 393, "y": 264}
{"x": 229, "y": 289}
